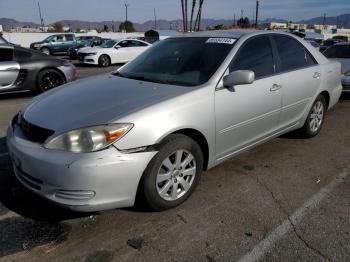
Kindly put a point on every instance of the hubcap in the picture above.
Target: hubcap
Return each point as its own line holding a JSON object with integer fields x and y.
{"x": 49, "y": 81}
{"x": 176, "y": 175}
{"x": 105, "y": 61}
{"x": 316, "y": 116}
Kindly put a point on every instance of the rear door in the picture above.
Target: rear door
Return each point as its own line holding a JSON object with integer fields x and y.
{"x": 9, "y": 69}
{"x": 301, "y": 78}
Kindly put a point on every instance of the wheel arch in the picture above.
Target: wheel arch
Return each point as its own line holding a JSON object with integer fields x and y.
{"x": 49, "y": 68}
{"x": 326, "y": 95}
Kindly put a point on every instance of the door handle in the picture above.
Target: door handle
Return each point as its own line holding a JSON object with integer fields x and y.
{"x": 275, "y": 87}
{"x": 317, "y": 75}
{"x": 11, "y": 69}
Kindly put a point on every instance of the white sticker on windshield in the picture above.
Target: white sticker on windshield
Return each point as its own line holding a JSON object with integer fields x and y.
{"x": 228, "y": 41}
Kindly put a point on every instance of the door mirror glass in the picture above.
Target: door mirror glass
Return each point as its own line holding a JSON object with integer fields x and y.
{"x": 239, "y": 77}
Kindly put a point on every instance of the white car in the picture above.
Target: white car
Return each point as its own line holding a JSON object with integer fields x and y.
{"x": 113, "y": 52}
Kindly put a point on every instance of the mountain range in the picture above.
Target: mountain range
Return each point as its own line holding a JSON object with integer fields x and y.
{"x": 7, "y": 23}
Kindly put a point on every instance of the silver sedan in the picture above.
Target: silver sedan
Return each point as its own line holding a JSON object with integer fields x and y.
{"x": 185, "y": 105}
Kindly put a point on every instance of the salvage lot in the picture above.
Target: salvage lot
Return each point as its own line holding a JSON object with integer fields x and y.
{"x": 286, "y": 200}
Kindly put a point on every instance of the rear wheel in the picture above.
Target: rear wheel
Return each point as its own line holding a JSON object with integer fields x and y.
{"x": 315, "y": 119}
{"x": 104, "y": 61}
{"x": 48, "y": 79}
{"x": 173, "y": 173}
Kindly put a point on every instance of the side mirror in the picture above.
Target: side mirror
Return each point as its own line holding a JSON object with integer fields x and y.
{"x": 117, "y": 47}
{"x": 53, "y": 40}
{"x": 239, "y": 77}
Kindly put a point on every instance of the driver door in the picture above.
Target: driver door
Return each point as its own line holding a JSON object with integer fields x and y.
{"x": 9, "y": 69}
{"x": 246, "y": 114}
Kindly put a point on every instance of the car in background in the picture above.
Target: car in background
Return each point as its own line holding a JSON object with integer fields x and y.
{"x": 55, "y": 44}
{"x": 23, "y": 70}
{"x": 73, "y": 51}
{"x": 113, "y": 52}
{"x": 341, "y": 53}
{"x": 184, "y": 105}
{"x": 329, "y": 42}
{"x": 313, "y": 43}
{"x": 81, "y": 39}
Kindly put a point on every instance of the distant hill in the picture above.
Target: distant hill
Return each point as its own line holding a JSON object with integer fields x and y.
{"x": 342, "y": 20}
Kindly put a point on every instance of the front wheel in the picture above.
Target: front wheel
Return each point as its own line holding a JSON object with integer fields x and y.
{"x": 48, "y": 79}
{"x": 45, "y": 50}
{"x": 173, "y": 173}
{"x": 315, "y": 119}
{"x": 104, "y": 61}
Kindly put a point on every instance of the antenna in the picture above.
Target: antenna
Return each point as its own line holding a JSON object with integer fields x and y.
{"x": 41, "y": 18}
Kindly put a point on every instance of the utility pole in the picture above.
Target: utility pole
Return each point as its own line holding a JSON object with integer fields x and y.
{"x": 324, "y": 21}
{"x": 41, "y": 18}
{"x": 155, "y": 19}
{"x": 126, "y": 15}
{"x": 257, "y": 13}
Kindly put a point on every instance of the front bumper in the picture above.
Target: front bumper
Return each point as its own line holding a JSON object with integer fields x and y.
{"x": 81, "y": 182}
{"x": 346, "y": 84}
{"x": 92, "y": 60}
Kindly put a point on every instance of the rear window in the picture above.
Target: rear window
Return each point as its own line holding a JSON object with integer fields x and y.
{"x": 292, "y": 54}
{"x": 338, "y": 51}
{"x": 6, "y": 54}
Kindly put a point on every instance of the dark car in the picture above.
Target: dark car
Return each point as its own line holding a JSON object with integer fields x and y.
{"x": 23, "y": 70}
{"x": 73, "y": 51}
{"x": 329, "y": 42}
{"x": 55, "y": 44}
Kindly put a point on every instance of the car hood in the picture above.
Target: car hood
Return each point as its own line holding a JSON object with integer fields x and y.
{"x": 96, "y": 101}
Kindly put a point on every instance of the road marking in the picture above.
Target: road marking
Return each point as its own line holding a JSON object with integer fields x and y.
{"x": 4, "y": 154}
{"x": 265, "y": 245}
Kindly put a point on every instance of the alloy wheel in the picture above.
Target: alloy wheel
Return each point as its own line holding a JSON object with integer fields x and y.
{"x": 316, "y": 116}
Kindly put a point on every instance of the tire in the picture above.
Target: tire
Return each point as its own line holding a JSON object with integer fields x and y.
{"x": 45, "y": 50}
{"x": 185, "y": 177}
{"x": 104, "y": 61}
{"x": 48, "y": 79}
{"x": 315, "y": 118}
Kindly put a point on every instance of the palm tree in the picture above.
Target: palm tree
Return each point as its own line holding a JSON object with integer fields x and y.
{"x": 183, "y": 14}
{"x": 194, "y": 2}
{"x": 197, "y": 24}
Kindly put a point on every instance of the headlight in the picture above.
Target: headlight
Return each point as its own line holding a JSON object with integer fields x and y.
{"x": 347, "y": 73}
{"x": 88, "y": 139}
{"x": 36, "y": 45}
{"x": 88, "y": 54}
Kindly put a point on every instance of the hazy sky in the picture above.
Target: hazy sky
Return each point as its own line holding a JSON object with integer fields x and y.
{"x": 142, "y": 10}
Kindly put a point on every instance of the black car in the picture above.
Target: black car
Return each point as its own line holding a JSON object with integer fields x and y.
{"x": 329, "y": 42}
{"x": 23, "y": 70}
{"x": 97, "y": 41}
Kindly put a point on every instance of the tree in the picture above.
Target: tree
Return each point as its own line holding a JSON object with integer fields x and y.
{"x": 243, "y": 22}
{"x": 58, "y": 27}
{"x": 105, "y": 28}
{"x": 184, "y": 10}
{"x": 127, "y": 26}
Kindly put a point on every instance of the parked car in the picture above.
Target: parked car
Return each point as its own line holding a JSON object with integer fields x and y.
{"x": 73, "y": 51}
{"x": 23, "y": 70}
{"x": 184, "y": 105}
{"x": 113, "y": 52}
{"x": 329, "y": 42}
{"x": 55, "y": 44}
{"x": 81, "y": 39}
{"x": 341, "y": 52}
{"x": 313, "y": 43}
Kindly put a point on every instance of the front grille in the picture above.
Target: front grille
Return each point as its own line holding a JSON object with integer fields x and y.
{"x": 34, "y": 133}
{"x": 81, "y": 56}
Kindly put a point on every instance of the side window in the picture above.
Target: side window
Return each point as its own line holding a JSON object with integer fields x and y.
{"x": 59, "y": 38}
{"x": 123, "y": 43}
{"x": 6, "y": 54}
{"x": 256, "y": 55}
{"x": 292, "y": 54}
{"x": 134, "y": 43}
{"x": 69, "y": 38}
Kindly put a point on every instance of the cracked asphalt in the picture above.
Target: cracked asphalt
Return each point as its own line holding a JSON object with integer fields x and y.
{"x": 256, "y": 201}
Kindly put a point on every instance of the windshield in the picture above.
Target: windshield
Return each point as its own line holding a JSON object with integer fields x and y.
{"x": 109, "y": 44}
{"x": 179, "y": 61}
{"x": 48, "y": 39}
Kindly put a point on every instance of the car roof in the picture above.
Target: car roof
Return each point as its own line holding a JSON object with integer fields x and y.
{"x": 342, "y": 43}
{"x": 217, "y": 33}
